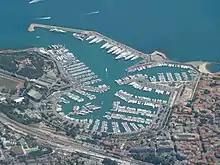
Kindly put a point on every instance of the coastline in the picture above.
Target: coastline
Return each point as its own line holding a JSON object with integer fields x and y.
{"x": 203, "y": 68}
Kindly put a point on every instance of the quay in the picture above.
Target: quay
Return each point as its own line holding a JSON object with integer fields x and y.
{"x": 147, "y": 65}
{"x": 113, "y": 42}
{"x": 86, "y": 33}
{"x": 15, "y": 51}
{"x": 50, "y": 27}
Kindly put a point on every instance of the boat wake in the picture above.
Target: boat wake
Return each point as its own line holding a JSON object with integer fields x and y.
{"x": 92, "y": 13}
{"x": 106, "y": 72}
{"x": 34, "y": 1}
{"x": 43, "y": 18}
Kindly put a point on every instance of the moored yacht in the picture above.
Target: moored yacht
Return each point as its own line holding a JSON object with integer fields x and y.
{"x": 94, "y": 40}
{"x": 104, "y": 45}
{"x": 119, "y": 51}
{"x": 119, "y": 56}
{"x": 114, "y": 52}
{"x": 128, "y": 57}
{"x": 108, "y": 46}
{"x": 123, "y": 54}
{"x": 135, "y": 57}
{"x": 90, "y": 37}
{"x": 112, "y": 49}
{"x": 99, "y": 40}
{"x": 128, "y": 53}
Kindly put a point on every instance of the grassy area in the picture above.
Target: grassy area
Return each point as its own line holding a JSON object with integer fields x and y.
{"x": 8, "y": 82}
{"x": 216, "y": 78}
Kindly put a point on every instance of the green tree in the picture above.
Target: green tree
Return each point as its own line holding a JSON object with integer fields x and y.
{"x": 107, "y": 161}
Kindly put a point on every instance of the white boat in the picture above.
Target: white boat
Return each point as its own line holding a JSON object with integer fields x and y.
{"x": 119, "y": 56}
{"x": 90, "y": 37}
{"x": 106, "y": 73}
{"x": 35, "y": 1}
{"x": 104, "y": 45}
{"x": 114, "y": 52}
{"x": 112, "y": 49}
{"x": 134, "y": 58}
{"x": 57, "y": 30}
{"x": 128, "y": 53}
{"x": 124, "y": 54}
{"x": 108, "y": 46}
{"x": 43, "y": 18}
{"x": 119, "y": 51}
{"x": 99, "y": 40}
{"x": 94, "y": 40}
{"x": 128, "y": 57}
{"x": 93, "y": 12}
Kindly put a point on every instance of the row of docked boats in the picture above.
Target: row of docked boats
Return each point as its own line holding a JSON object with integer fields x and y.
{"x": 104, "y": 126}
{"x": 119, "y": 51}
{"x": 113, "y": 48}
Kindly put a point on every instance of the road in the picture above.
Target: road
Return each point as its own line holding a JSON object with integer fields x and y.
{"x": 54, "y": 140}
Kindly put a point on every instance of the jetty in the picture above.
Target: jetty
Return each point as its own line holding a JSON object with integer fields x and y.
{"x": 87, "y": 33}
{"x": 15, "y": 51}
{"x": 50, "y": 27}
{"x": 113, "y": 42}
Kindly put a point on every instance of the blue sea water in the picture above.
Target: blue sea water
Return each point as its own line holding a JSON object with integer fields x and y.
{"x": 184, "y": 30}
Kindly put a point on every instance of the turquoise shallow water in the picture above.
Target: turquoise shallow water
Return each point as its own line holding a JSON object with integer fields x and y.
{"x": 185, "y": 31}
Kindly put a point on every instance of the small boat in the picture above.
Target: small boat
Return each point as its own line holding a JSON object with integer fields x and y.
{"x": 108, "y": 46}
{"x": 94, "y": 40}
{"x": 104, "y": 45}
{"x": 134, "y": 58}
{"x": 89, "y": 38}
{"x": 106, "y": 73}
{"x": 119, "y": 51}
{"x": 43, "y": 18}
{"x": 128, "y": 57}
{"x": 34, "y": 1}
{"x": 93, "y": 12}
{"x": 99, "y": 40}
{"x": 114, "y": 52}
{"x": 57, "y": 30}
{"x": 128, "y": 53}
{"x": 124, "y": 54}
{"x": 112, "y": 49}
{"x": 120, "y": 56}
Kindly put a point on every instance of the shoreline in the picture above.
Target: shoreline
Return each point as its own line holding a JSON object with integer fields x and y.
{"x": 203, "y": 68}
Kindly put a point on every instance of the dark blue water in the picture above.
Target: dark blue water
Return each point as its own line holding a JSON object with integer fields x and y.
{"x": 184, "y": 30}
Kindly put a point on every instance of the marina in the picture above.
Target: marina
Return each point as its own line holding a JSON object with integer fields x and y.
{"x": 124, "y": 105}
{"x": 129, "y": 112}
{"x": 111, "y": 46}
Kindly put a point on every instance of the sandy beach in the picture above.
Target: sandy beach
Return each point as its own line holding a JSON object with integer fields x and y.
{"x": 203, "y": 68}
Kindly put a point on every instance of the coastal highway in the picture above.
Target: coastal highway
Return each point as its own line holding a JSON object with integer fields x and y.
{"x": 54, "y": 140}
